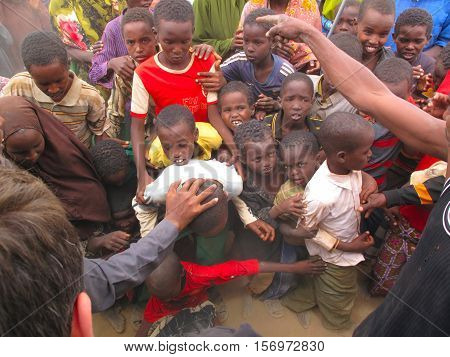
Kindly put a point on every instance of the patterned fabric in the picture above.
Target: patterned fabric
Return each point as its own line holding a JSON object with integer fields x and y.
{"x": 82, "y": 110}
{"x": 306, "y": 10}
{"x": 398, "y": 248}
{"x": 80, "y": 23}
{"x": 3, "y": 82}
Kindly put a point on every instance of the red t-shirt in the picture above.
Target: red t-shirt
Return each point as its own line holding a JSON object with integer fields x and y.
{"x": 167, "y": 86}
{"x": 198, "y": 279}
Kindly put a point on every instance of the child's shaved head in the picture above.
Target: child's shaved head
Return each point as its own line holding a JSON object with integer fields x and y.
{"x": 165, "y": 281}
{"x": 385, "y": 7}
{"x": 342, "y": 131}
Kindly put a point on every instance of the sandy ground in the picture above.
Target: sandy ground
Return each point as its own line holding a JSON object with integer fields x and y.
{"x": 259, "y": 317}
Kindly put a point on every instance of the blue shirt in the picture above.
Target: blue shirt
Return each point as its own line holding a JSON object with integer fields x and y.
{"x": 439, "y": 10}
{"x": 239, "y": 68}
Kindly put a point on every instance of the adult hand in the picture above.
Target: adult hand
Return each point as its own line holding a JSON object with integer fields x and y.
{"x": 376, "y": 200}
{"x": 314, "y": 265}
{"x": 97, "y": 47}
{"x": 123, "y": 67}
{"x": 266, "y": 104}
{"x": 114, "y": 241}
{"x": 142, "y": 184}
{"x": 285, "y": 28}
{"x": 284, "y": 50}
{"x": 184, "y": 205}
{"x": 238, "y": 40}
{"x": 262, "y": 229}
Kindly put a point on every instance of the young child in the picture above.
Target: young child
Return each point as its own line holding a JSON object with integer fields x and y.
{"x": 375, "y": 20}
{"x": 137, "y": 31}
{"x": 170, "y": 78}
{"x": 412, "y": 31}
{"x": 332, "y": 199}
{"x": 257, "y": 66}
{"x": 297, "y": 93}
{"x": 51, "y": 85}
{"x": 327, "y": 99}
{"x": 348, "y": 22}
{"x": 177, "y": 285}
{"x": 299, "y": 151}
{"x": 236, "y": 106}
{"x": 180, "y": 140}
{"x": 396, "y": 74}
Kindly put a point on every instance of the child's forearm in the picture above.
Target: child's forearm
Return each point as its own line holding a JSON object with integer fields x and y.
{"x": 275, "y": 212}
{"x": 137, "y": 142}
{"x": 218, "y": 124}
{"x": 294, "y": 236}
{"x": 270, "y": 267}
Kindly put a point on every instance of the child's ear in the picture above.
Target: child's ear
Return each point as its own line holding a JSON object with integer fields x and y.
{"x": 196, "y": 134}
{"x": 341, "y": 155}
{"x": 253, "y": 109}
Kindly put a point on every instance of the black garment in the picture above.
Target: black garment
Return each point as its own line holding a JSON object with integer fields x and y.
{"x": 419, "y": 303}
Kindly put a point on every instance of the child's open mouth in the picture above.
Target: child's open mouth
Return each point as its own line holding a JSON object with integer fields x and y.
{"x": 236, "y": 122}
{"x": 370, "y": 49}
{"x": 180, "y": 162}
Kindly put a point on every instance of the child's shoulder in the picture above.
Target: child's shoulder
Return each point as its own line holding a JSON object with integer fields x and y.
{"x": 283, "y": 66}
{"x": 238, "y": 58}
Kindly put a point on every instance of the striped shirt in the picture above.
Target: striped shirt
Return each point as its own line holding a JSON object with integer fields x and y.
{"x": 239, "y": 68}
{"x": 113, "y": 47}
{"x": 82, "y": 110}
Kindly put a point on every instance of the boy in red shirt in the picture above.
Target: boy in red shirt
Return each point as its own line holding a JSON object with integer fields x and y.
{"x": 176, "y": 285}
{"x": 170, "y": 77}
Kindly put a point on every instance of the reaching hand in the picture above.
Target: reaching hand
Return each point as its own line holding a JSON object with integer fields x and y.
{"x": 212, "y": 81}
{"x": 393, "y": 216}
{"x": 284, "y": 50}
{"x": 203, "y": 51}
{"x": 293, "y": 205}
{"x": 114, "y": 241}
{"x": 418, "y": 72}
{"x": 438, "y": 105}
{"x": 376, "y": 200}
{"x": 313, "y": 67}
{"x": 123, "y": 66}
{"x": 238, "y": 40}
{"x": 184, "y": 205}
{"x": 97, "y": 47}
{"x": 369, "y": 186}
{"x": 361, "y": 243}
{"x": 263, "y": 230}
{"x": 314, "y": 265}
{"x": 266, "y": 104}
{"x": 142, "y": 184}
{"x": 286, "y": 28}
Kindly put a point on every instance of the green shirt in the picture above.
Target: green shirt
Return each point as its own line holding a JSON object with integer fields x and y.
{"x": 216, "y": 21}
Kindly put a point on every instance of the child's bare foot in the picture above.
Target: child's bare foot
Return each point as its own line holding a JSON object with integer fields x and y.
{"x": 115, "y": 319}
{"x": 274, "y": 307}
{"x": 248, "y": 306}
{"x": 304, "y": 318}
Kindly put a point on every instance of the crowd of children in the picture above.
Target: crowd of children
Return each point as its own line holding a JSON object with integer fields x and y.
{"x": 292, "y": 160}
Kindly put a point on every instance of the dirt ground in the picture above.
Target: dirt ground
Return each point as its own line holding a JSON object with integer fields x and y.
{"x": 259, "y": 317}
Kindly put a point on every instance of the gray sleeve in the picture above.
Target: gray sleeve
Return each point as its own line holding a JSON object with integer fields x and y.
{"x": 107, "y": 280}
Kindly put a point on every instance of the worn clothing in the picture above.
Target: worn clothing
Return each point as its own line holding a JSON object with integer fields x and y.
{"x": 334, "y": 292}
{"x": 197, "y": 280}
{"x": 208, "y": 141}
{"x": 167, "y": 86}
{"x": 113, "y": 47}
{"x": 6, "y": 66}
{"x": 418, "y": 303}
{"x": 82, "y": 110}
{"x": 332, "y": 202}
{"x": 239, "y": 68}
{"x": 216, "y": 22}
{"x": 439, "y": 10}
{"x": 107, "y": 280}
{"x": 119, "y": 105}
{"x": 275, "y": 122}
{"x": 287, "y": 190}
{"x": 323, "y": 107}
{"x": 65, "y": 165}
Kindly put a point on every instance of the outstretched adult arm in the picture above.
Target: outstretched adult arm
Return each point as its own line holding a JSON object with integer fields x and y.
{"x": 362, "y": 89}
{"x": 107, "y": 280}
